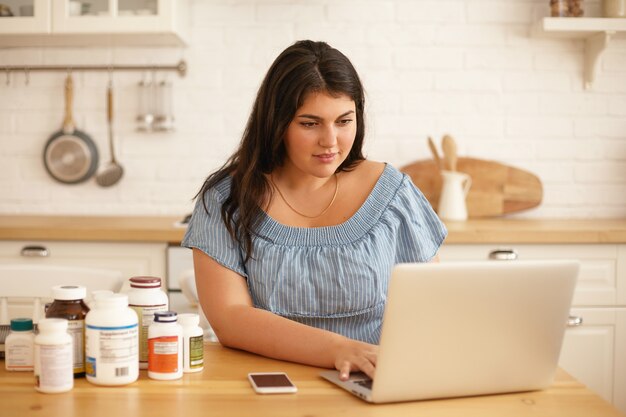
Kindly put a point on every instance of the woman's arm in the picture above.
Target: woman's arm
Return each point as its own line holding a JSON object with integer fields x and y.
{"x": 226, "y": 302}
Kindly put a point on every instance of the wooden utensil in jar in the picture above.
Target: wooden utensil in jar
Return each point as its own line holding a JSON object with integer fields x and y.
{"x": 433, "y": 150}
{"x": 449, "y": 152}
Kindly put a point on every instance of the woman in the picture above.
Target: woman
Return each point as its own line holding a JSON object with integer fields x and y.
{"x": 294, "y": 238}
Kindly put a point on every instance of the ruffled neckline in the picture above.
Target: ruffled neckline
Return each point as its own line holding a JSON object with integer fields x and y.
{"x": 361, "y": 222}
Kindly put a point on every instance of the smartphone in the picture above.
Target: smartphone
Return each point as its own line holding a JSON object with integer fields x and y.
{"x": 271, "y": 383}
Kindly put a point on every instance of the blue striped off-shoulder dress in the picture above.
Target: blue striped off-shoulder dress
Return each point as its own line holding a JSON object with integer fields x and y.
{"x": 333, "y": 277}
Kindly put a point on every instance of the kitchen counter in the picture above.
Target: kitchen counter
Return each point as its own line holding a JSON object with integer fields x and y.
{"x": 92, "y": 228}
{"x": 537, "y": 231}
{"x": 222, "y": 389}
{"x": 163, "y": 229}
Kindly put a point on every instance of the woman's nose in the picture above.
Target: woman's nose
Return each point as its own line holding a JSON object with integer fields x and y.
{"x": 328, "y": 137}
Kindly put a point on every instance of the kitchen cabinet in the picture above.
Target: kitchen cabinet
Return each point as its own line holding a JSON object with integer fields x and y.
{"x": 597, "y": 33}
{"x": 95, "y": 23}
{"x": 128, "y": 258}
{"x": 594, "y": 351}
{"x": 125, "y": 259}
{"x": 29, "y": 17}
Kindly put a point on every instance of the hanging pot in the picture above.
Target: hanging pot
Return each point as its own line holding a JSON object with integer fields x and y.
{"x": 70, "y": 155}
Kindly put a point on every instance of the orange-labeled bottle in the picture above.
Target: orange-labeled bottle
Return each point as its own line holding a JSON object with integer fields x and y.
{"x": 165, "y": 347}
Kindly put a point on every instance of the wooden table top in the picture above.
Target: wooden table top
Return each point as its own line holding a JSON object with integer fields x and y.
{"x": 223, "y": 390}
{"x": 165, "y": 229}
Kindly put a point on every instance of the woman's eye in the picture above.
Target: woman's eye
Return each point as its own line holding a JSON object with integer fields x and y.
{"x": 344, "y": 121}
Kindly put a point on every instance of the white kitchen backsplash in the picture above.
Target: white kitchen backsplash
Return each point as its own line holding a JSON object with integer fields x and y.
{"x": 469, "y": 68}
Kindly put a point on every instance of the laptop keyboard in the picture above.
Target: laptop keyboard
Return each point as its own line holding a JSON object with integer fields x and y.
{"x": 365, "y": 383}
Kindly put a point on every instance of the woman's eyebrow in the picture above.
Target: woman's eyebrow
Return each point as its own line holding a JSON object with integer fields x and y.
{"x": 314, "y": 117}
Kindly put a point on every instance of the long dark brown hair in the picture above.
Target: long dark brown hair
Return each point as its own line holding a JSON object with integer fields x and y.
{"x": 302, "y": 68}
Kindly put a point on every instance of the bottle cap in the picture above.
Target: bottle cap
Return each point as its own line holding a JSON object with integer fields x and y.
{"x": 101, "y": 294}
{"x": 112, "y": 301}
{"x": 69, "y": 292}
{"x": 189, "y": 319}
{"x": 21, "y": 325}
{"x": 145, "y": 282}
{"x": 165, "y": 316}
{"x": 52, "y": 325}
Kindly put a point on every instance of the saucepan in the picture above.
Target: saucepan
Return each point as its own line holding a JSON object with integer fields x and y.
{"x": 70, "y": 155}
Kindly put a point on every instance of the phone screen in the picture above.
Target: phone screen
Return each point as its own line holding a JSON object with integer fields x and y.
{"x": 271, "y": 383}
{"x": 271, "y": 380}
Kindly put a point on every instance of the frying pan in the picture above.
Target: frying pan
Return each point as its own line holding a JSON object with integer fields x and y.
{"x": 70, "y": 155}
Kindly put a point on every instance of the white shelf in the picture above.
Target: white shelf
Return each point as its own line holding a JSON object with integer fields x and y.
{"x": 579, "y": 27}
{"x": 596, "y": 31}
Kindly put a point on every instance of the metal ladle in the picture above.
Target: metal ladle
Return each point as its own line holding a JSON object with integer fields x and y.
{"x": 113, "y": 172}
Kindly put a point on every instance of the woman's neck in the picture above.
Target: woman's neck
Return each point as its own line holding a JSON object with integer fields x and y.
{"x": 296, "y": 181}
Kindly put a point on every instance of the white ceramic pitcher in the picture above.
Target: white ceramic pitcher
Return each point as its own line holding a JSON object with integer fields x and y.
{"x": 454, "y": 190}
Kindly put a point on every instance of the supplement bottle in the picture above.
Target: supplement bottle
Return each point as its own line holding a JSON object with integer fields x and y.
{"x": 193, "y": 346}
{"x": 97, "y": 294}
{"x": 111, "y": 342}
{"x": 165, "y": 347}
{"x": 146, "y": 298}
{"x": 19, "y": 346}
{"x": 69, "y": 304}
{"x": 53, "y": 357}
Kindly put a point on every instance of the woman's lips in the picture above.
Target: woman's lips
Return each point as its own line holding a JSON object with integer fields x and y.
{"x": 326, "y": 157}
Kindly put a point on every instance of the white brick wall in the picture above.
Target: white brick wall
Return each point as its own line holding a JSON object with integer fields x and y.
{"x": 464, "y": 67}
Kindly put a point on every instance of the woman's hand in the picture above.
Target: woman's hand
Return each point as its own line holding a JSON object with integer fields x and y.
{"x": 352, "y": 355}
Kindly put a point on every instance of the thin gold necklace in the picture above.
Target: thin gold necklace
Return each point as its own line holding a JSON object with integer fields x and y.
{"x": 302, "y": 214}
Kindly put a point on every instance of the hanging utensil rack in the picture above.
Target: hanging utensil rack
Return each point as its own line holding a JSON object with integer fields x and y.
{"x": 180, "y": 68}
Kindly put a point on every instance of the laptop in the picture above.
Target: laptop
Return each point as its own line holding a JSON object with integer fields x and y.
{"x": 468, "y": 328}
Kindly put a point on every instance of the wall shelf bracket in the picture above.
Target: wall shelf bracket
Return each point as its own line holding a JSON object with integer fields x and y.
{"x": 595, "y": 45}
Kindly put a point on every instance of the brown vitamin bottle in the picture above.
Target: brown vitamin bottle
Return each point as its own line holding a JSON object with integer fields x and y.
{"x": 69, "y": 304}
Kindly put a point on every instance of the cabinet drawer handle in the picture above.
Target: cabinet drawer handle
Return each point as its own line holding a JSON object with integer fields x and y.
{"x": 503, "y": 255}
{"x": 574, "y": 321}
{"x": 35, "y": 251}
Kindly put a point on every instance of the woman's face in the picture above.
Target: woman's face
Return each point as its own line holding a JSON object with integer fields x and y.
{"x": 321, "y": 134}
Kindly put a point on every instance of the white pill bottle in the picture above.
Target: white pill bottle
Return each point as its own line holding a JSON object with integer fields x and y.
{"x": 54, "y": 357}
{"x": 193, "y": 343}
{"x": 111, "y": 342}
{"x": 20, "y": 345}
{"x": 146, "y": 298}
{"x": 165, "y": 347}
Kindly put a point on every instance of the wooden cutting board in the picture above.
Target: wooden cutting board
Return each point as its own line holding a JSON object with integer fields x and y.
{"x": 497, "y": 189}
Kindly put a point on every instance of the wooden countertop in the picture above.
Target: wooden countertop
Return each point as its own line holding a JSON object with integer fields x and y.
{"x": 223, "y": 390}
{"x": 92, "y": 228}
{"x": 537, "y": 231}
{"x": 163, "y": 229}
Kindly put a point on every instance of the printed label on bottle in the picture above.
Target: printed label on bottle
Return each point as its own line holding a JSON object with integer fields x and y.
{"x": 54, "y": 366}
{"x": 112, "y": 351}
{"x": 196, "y": 352}
{"x": 163, "y": 354}
{"x": 76, "y": 329}
{"x": 19, "y": 356}
{"x": 145, "y": 316}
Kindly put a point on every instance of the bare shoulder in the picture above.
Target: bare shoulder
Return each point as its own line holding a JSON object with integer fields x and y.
{"x": 364, "y": 176}
{"x": 356, "y": 185}
{"x": 367, "y": 170}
